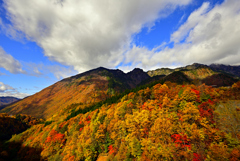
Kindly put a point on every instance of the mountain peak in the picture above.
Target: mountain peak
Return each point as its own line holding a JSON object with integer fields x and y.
{"x": 233, "y": 70}
{"x": 195, "y": 66}
{"x": 136, "y": 70}
{"x": 138, "y": 75}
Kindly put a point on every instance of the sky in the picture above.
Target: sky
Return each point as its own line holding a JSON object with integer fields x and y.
{"x": 44, "y": 41}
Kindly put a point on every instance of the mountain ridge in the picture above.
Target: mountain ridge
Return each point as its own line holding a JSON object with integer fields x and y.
{"x": 4, "y": 101}
{"x": 101, "y": 83}
{"x": 84, "y": 88}
{"x": 234, "y": 70}
{"x": 171, "y": 117}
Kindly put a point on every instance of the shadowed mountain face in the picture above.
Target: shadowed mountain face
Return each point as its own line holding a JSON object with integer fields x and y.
{"x": 177, "y": 77}
{"x": 137, "y": 76}
{"x": 15, "y": 151}
{"x": 86, "y": 88}
{"x": 232, "y": 70}
{"x": 7, "y": 100}
{"x": 219, "y": 80}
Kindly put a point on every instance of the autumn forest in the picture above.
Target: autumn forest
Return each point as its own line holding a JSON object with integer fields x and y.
{"x": 109, "y": 119}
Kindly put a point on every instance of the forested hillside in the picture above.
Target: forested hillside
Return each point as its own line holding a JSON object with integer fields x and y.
{"x": 105, "y": 114}
{"x": 86, "y": 88}
{"x": 10, "y": 125}
{"x": 159, "y": 122}
{"x": 99, "y": 84}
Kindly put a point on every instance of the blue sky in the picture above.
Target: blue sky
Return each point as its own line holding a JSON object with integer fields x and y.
{"x": 43, "y": 41}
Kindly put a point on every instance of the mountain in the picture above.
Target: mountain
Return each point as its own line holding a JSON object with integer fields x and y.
{"x": 4, "y": 101}
{"x": 228, "y": 69}
{"x": 82, "y": 89}
{"x": 194, "y": 71}
{"x": 177, "y": 77}
{"x": 161, "y": 71}
{"x": 159, "y": 122}
{"x": 10, "y": 125}
{"x": 8, "y": 100}
{"x": 201, "y": 71}
{"x": 101, "y": 83}
{"x": 219, "y": 80}
{"x": 214, "y": 75}
{"x": 105, "y": 114}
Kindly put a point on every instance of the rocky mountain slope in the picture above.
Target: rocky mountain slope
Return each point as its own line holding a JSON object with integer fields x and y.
{"x": 214, "y": 75}
{"x": 194, "y": 71}
{"x": 85, "y": 88}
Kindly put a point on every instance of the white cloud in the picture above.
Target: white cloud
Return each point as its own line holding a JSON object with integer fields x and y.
{"x": 84, "y": 34}
{"x": 6, "y": 90}
{"x": 60, "y": 72}
{"x": 209, "y": 36}
{"x": 4, "y": 87}
{"x": 9, "y": 63}
{"x": 192, "y": 21}
{"x": 41, "y": 70}
{"x": 32, "y": 69}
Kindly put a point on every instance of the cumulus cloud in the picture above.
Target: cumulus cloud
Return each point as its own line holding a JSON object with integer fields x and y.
{"x": 4, "y": 87}
{"x": 42, "y": 70}
{"x": 32, "y": 69}
{"x": 192, "y": 21}
{"x": 208, "y": 36}
{"x": 9, "y": 63}
{"x": 85, "y": 34}
{"x": 6, "y": 90}
{"x": 60, "y": 72}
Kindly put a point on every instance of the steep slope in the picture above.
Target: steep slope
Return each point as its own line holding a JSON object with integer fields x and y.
{"x": 163, "y": 122}
{"x": 86, "y": 88}
{"x": 177, "y": 77}
{"x": 198, "y": 73}
{"x": 137, "y": 76}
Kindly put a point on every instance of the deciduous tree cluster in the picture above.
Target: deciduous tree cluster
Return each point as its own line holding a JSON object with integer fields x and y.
{"x": 163, "y": 122}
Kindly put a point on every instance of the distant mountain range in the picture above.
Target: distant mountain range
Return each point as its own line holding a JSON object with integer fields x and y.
{"x": 101, "y": 83}
{"x": 4, "y": 101}
{"x": 211, "y": 69}
{"x": 213, "y": 75}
